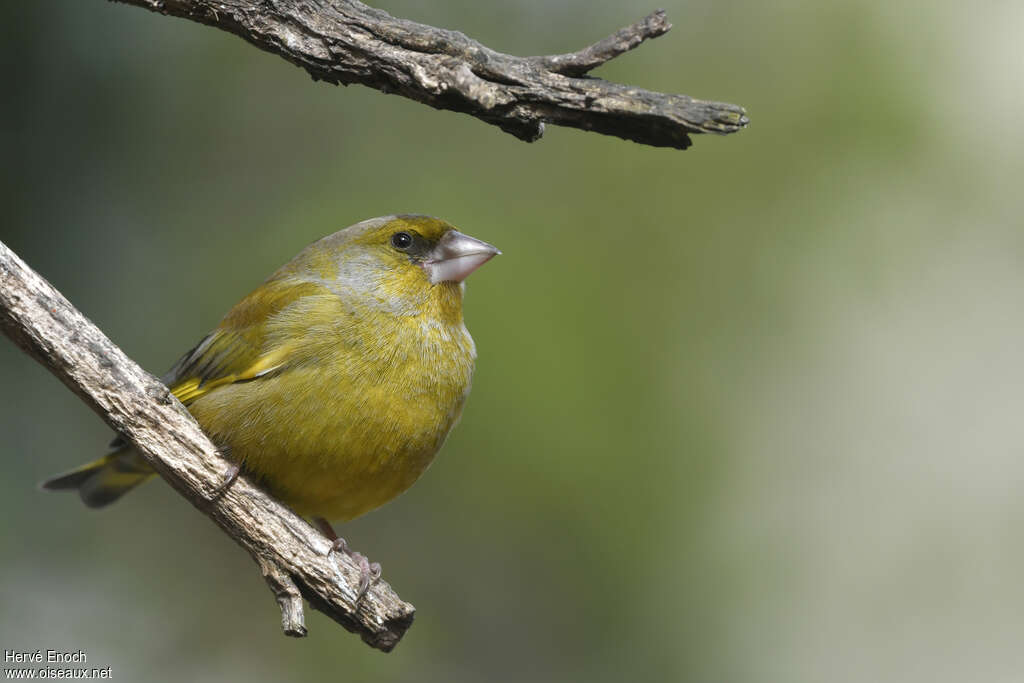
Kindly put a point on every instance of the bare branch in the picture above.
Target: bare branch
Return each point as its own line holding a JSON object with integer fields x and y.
{"x": 293, "y": 557}
{"x": 289, "y": 599}
{"x": 622, "y": 41}
{"x": 344, "y": 41}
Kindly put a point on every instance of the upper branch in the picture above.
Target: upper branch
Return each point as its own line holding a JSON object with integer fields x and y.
{"x": 625, "y": 39}
{"x": 292, "y": 556}
{"x": 344, "y": 41}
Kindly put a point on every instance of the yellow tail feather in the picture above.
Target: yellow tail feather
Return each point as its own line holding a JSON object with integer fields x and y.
{"x": 103, "y": 481}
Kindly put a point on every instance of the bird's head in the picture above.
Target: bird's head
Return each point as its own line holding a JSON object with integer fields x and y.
{"x": 430, "y": 246}
{"x": 396, "y": 263}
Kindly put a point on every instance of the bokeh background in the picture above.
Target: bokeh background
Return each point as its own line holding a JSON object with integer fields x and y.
{"x": 752, "y": 412}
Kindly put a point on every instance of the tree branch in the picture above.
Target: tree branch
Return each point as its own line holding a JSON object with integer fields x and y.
{"x": 622, "y": 41}
{"x": 344, "y": 41}
{"x": 292, "y": 556}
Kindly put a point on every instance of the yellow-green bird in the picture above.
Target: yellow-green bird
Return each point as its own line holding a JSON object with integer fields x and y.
{"x": 334, "y": 383}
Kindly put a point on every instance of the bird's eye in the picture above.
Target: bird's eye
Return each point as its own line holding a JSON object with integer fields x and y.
{"x": 401, "y": 240}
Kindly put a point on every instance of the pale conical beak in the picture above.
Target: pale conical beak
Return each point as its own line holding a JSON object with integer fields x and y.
{"x": 456, "y": 256}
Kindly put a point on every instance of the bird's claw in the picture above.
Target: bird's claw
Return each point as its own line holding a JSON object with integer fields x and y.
{"x": 229, "y": 478}
{"x": 369, "y": 572}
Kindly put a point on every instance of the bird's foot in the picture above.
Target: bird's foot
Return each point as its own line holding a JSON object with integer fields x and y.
{"x": 369, "y": 572}
{"x": 229, "y": 478}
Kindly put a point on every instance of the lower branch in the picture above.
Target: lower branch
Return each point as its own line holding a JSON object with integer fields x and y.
{"x": 293, "y": 557}
{"x": 289, "y": 599}
{"x": 344, "y": 41}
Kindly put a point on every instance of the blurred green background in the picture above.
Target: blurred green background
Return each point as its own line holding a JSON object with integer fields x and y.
{"x": 746, "y": 413}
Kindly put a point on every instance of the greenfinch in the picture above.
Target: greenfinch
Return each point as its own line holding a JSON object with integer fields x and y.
{"x": 335, "y": 383}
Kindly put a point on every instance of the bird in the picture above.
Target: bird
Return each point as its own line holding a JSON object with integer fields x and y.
{"x": 334, "y": 383}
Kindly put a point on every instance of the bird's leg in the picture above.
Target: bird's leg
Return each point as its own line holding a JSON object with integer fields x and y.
{"x": 369, "y": 572}
{"x": 229, "y": 478}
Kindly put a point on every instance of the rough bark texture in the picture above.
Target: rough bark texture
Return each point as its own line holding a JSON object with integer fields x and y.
{"x": 344, "y": 41}
{"x": 292, "y": 556}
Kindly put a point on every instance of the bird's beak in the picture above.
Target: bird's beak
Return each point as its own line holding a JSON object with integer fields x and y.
{"x": 456, "y": 256}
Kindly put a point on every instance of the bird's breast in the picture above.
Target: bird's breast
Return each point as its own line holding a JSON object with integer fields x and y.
{"x": 356, "y": 421}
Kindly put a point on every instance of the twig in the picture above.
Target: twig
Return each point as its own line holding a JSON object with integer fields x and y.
{"x": 344, "y": 41}
{"x": 289, "y": 599}
{"x": 622, "y": 41}
{"x": 292, "y": 556}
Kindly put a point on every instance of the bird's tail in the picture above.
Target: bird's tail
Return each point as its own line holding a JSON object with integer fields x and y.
{"x": 103, "y": 481}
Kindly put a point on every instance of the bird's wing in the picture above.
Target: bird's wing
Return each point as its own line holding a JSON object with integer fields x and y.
{"x": 239, "y": 349}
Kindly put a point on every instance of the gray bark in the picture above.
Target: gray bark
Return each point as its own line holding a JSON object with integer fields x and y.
{"x": 344, "y": 41}
{"x": 292, "y": 556}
